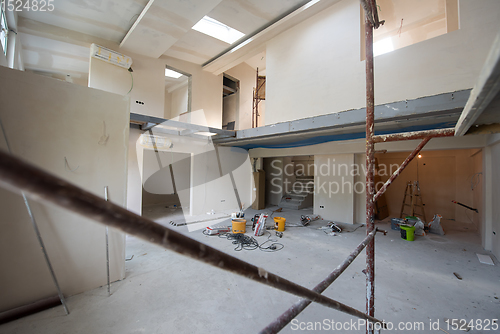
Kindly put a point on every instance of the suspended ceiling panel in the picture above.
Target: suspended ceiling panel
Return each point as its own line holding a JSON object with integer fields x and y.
{"x": 49, "y": 55}
{"x": 107, "y": 19}
{"x": 196, "y": 47}
{"x": 162, "y": 23}
{"x": 247, "y": 16}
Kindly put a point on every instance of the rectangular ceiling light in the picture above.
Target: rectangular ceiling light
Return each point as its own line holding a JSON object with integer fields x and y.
{"x": 216, "y": 29}
{"x": 172, "y": 74}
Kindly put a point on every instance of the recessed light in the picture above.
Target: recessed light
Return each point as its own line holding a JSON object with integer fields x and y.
{"x": 219, "y": 30}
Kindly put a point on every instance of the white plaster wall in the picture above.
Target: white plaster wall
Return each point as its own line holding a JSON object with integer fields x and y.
{"x": 179, "y": 101}
{"x": 47, "y": 120}
{"x": 229, "y": 109}
{"x": 134, "y": 183}
{"x": 289, "y": 175}
{"x": 149, "y": 75}
{"x": 206, "y": 91}
{"x": 357, "y": 147}
{"x": 167, "y": 105}
{"x": 315, "y": 68}
{"x": 492, "y": 230}
{"x": 211, "y": 188}
{"x": 334, "y": 187}
{"x": 236, "y": 161}
{"x": 443, "y": 176}
{"x": 360, "y": 197}
{"x": 246, "y": 75}
{"x": 477, "y": 189}
{"x": 148, "y": 83}
{"x": 3, "y": 59}
{"x": 157, "y": 182}
{"x": 274, "y": 180}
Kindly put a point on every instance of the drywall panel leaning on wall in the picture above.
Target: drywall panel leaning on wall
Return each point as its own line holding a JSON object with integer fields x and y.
{"x": 208, "y": 179}
{"x": 81, "y": 135}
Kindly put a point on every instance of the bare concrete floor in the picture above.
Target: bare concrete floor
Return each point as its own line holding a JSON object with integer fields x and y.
{"x": 166, "y": 293}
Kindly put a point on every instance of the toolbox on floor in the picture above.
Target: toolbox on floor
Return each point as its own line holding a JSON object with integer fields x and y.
{"x": 395, "y": 222}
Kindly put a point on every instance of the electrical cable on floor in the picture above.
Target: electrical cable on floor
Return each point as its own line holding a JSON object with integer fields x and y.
{"x": 354, "y": 229}
{"x": 250, "y": 243}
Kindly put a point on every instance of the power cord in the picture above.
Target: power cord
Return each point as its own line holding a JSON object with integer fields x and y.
{"x": 250, "y": 243}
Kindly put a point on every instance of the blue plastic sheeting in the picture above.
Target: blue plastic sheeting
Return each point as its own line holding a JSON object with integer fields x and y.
{"x": 347, "y": 136}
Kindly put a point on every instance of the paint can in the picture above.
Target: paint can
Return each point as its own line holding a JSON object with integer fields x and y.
{"x": 279, "y": 224}
{"x": 239, "y": 225}
{"x": 407, "y": 232}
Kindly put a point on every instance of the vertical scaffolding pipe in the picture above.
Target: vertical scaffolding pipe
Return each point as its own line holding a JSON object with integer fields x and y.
{"x": 107, "y": 243}
{"x": 257, "y": 99}
{"x": 370, "y": 163}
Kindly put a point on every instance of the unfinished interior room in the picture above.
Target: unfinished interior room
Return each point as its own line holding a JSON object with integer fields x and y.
{"x": 249, "y": 166}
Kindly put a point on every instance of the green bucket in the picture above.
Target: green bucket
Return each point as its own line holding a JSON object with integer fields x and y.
{"x": 407, "y": 232}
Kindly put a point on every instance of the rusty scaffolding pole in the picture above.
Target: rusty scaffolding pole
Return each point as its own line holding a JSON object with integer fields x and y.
{"x": 300, "y": 306}
{"x": 42, "y": 186}
{"x": 372, "y": 22}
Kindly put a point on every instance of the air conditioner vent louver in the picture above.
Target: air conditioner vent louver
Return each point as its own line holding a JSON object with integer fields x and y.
{"x": 110, "y": 56}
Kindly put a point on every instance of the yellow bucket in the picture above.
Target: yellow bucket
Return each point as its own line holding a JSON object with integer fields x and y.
{"x": 239, "y": 225}
{"x": 279, "y": 224}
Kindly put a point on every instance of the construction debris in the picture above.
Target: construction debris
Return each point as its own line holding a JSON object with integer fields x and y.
{"x": 305, "y": 220}
{"x": 260, "y": 225}
{"x": 486, "y": 259}
{"x": 216, "y": 230}
{"x": 435, "y": 225}
{"x": 331, "y": 229}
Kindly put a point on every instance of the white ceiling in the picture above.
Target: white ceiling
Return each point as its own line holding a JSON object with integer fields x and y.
{"x": 139, "y": 21}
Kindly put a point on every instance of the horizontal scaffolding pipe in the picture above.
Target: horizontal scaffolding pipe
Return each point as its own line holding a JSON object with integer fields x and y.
{"x": 450, "y": 132}
{"x": 401, "y": 168}
{"x": 284, "y": 319}
{"x": 16, "y": 174}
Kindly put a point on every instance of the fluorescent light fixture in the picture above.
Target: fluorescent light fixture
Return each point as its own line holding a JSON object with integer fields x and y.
{"x": 172, "y": 74}
{"x": 219, "y": 30}
{"x": 383, "y": 46}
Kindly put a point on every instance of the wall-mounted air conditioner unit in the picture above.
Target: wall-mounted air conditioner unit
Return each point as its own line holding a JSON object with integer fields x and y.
{"x": 110, "y": 56}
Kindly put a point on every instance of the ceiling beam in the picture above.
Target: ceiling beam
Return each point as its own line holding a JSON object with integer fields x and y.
{"x": 162, "y": 23}
{"x": 485, "y": 90}
{"x": 255, "y": 44}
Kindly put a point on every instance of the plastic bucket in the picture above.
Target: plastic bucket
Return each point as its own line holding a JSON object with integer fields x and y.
{"x": 407, "y": 232}
{"x": 239, "y": 225}
{"x": 279, "y": 224}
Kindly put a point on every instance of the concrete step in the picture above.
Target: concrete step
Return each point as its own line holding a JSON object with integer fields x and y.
{"x": 309, "y": 178}
{"x": 288, "y": 205}
{"x": 299, "y": 196}
{"x": 297, "y": 201}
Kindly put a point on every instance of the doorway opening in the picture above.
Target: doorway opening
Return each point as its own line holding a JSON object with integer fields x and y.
{"x": 230, "y": 102}
{"x": 177, "y": 93}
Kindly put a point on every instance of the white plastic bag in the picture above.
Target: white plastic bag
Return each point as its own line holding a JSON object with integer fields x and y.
{"x": 419, "y": 227}
{"x": 435, "y": 225}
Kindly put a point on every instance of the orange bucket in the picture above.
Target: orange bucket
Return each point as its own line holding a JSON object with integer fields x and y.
{"x": 239, "y": 225}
